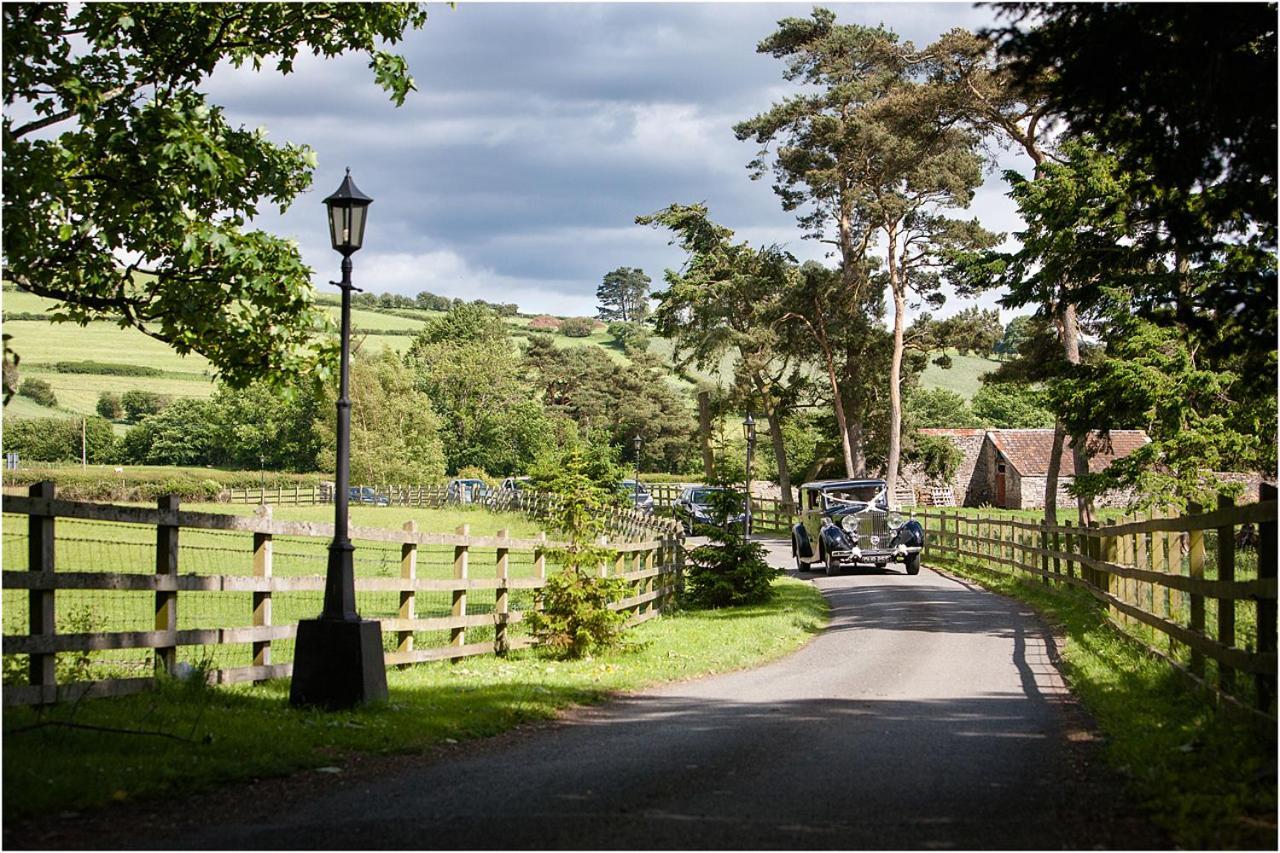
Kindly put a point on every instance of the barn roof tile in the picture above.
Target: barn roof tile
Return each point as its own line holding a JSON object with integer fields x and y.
{"x": 1029, "y": 450}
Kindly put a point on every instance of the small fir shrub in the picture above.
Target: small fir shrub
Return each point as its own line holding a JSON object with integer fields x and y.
{"x": 39, "y": 391}
{"x": 575, "y": 617}
{"x": 730, "y": 570}
{"x": 109, "y": 406}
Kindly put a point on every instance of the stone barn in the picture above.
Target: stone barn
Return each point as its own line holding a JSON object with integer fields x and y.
{"x": 1007, "y": 468}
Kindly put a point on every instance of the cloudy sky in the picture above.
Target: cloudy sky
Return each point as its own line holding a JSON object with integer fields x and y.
{"x": 539, "y": 132}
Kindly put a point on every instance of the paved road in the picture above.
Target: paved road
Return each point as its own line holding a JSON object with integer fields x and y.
{"x": 928, "y": 715}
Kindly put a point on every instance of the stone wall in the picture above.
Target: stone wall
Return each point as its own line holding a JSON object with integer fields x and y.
{"x": 969, "y": 442}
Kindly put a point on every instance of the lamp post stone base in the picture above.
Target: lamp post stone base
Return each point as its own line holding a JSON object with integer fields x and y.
{"x": 338, "y": 664}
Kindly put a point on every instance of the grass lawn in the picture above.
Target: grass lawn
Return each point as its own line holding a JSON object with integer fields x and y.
{"x": 1207, "y": 776}
{"x": 228, "y": 734}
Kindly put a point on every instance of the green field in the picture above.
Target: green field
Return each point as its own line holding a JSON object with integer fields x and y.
{"x": 41, "y": 345}
{"x": 47, "y": 343}
{"x": 963, "y": 377}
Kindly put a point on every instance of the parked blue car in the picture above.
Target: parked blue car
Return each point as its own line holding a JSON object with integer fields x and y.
{"x": 367, "y": 495}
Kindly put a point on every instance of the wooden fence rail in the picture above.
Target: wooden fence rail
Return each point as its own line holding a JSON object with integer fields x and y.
{"x": 1157, "y": 578}
{"x": 649, "y": 563}
{"x": 626, "y": 524}
{"x": 768, "y": 515}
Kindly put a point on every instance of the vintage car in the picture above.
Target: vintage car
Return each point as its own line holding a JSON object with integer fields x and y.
{"x": 696, "y": 509}
{"x": 849, "y": 523}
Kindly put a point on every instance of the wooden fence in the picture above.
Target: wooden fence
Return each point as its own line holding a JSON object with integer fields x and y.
{"x": 768, "y": 515}
{"x": 437, "y": 596}
{"x": 622, "y": 524}
{"x": 1198, "y": 590}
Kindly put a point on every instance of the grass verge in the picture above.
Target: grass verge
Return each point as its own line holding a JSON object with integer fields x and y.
{"x": 183, "y": 737}
{"x": 1205, "y": 774}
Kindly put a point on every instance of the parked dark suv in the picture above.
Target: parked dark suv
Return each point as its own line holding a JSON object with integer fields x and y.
{"x": 697, "y": 509}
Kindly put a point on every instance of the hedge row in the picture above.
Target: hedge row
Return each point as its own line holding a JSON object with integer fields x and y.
{"x": 104, "y": 483}
{"x": 107, "y": 368}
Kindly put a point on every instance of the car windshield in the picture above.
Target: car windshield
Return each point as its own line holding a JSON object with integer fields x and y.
{"x": 631, "y": 486}
{"x": 702, "y": 496}
{"x": 857, "y": 496}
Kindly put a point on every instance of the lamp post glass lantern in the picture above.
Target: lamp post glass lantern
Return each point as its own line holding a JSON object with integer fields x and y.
{"x": 338, "y": 659}
{"x": 749, "y": 432}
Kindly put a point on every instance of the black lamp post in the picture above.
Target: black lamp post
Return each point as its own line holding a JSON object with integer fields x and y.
{"x": 338, "y": 659}
{"x": 749, "y": 431}
{"x": 636, "y": 443}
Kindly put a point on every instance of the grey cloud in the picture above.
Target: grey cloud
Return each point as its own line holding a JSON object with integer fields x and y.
{"x": 540, "y": 131}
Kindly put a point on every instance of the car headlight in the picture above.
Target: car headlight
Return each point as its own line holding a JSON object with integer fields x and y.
{"x": 850, "y": 525}
{"x": 896, "y": 520}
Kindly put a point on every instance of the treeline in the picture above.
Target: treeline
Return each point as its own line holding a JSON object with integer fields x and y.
{"x": 463, "y": 397}
{"x": 425, "y": 300}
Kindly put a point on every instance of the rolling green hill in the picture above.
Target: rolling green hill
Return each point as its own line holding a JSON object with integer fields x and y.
{"x": 41, "y": 345}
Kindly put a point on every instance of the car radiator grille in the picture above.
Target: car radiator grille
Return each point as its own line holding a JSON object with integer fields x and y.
{"x": 873, "y": 529}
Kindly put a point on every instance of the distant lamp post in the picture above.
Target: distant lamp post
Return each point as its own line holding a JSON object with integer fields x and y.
{"x": 749, "y": 432}
{"x": 636, "y": 443}
{"x": 338, "y": 660}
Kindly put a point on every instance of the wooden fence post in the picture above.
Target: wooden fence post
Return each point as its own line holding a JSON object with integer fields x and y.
{"x": 1108, "y": 551}
{"x": 501, "y": 603}
{"x": 540, "y": 568}
{"x": 1142, "y": 596}
{"x": 1057, "y": 550}
{"x": 1071, "y": 548}
{"x": 458, "y": 635}
{"x": 1267, "y": 606}
{"x": 1226, "y": 606}
{"x": 647, "y": 587}
{"x": 1043, "y": 539}
{"x": 262, "y": 598}
{"x": 408, "y": 597}
{"x": 1195, "y": 568}
{"x": 41, "y": 611}
{"x": 167, "y": 602}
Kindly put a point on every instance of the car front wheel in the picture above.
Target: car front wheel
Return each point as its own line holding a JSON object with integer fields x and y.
{"x": 833, "y": 567}
{"x": 912, "y": 564}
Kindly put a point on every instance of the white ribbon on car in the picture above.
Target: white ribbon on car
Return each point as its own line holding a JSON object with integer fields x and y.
{"x": 870, "y": 505}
